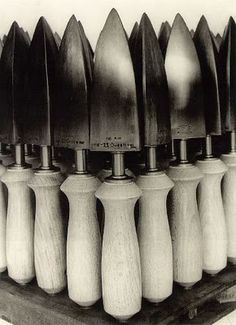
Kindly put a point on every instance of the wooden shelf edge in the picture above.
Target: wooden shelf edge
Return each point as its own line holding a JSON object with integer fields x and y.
{"x": 30, "y": 305}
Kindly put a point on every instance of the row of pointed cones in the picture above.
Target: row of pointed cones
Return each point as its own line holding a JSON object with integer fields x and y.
{"x": 82, "y": 64}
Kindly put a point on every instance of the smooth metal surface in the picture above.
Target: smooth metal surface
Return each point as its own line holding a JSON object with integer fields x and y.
{"x": 13, "y": 67}
{"x": 185, "y": 84}
{"x": 233, "y": 141}
{"x": 71, "y": 118}
{"x": 28, "y": 149}
{"x": 114, "y": 115}
{"x": 151, "y": 162}
{"x": 46, "y": 157}
{"x": 152, "y": 87}
{"x": 41, "y": 87}
{"x": 183, "y": 152}
{"x": 118, "y": 165}
{"x": 209, "y": 66}
{"x": 228, "y": 76}
{"x": 209, "y": 146}
{"x": 80, "y": 162}
{"x": 163, "y": 37}
{"x": 19, "y": 154}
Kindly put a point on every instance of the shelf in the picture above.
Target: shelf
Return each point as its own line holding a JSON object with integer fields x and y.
{"x": 27, "y": 305}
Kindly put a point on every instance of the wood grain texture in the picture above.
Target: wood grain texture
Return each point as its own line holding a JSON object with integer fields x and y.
{"x": 49, "y": 239}
{"x": 154, "y": 237}
{"x": 229, "y": 201}
{"x": 121, "y": 274}
{"x": 212, "y": 217}
{"x": 3, "y": 218}
{"x": 185, "y": 224}
{"x": 83, "y": 240}
{"x": 20, "y": 225}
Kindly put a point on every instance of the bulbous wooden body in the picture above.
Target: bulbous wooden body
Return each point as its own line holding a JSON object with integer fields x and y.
{"x": 49, "y": 239}
{"x": 3, "y": 218}
{"x": 83, "y": 240}
{"x": 20, "y": 225}
{"x": 229, "y": 202}
{"x": 154, "y": 237}
{"x": 185, "y": 224}
{"x": 212, "y": 215}
{"x": 121, "y": 274}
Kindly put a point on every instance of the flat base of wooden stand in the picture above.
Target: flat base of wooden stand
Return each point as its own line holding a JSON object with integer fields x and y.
{"x": 30, "y": 305}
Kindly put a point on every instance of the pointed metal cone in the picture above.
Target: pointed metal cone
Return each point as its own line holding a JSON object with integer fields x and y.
{"x": 114, "y": 114}
{"x": 13, "y": 65}
{"x": 215, "y": 43}
{"x": 89, "y": 45}
{"x": 25, "y": 36}
{"x": 228, "y": 73}
{"x": 41, "y": 87}
{"x": 28, "y": 37}
{"x": 57, "y": 39}
{"x": 132, "y": 39}
{"x": 218, "y": 39}
{"x": 4, "y": 39}
{"x": 163, "y": 37}
{"x": 209, "y": 67}
{"x": 152, "y": 88}
{"x": 87, "y": 53}
{"x": 71, "y": 112}
{"x": 1, "y": 47}
{"x": 192, "y": 32}
{"x": 185, "y": 84}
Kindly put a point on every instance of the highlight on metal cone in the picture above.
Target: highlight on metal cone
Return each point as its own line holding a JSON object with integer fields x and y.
{"x": 163, "y": 37}
{"x": 41, "y": 88}
{"x": 114, "y": 116}
{"x": 57, "y": 39}
{"x": 184, "y": 83}
{"x": 152, "y": 88}
{"x": 228, "y": 76}
{"x": 72, "y": 91}
{"x": 209, "y": 67}
{"x": 13, "y": 66}
{"x": 132, "y": 38}
{"x": 88, "y": 53}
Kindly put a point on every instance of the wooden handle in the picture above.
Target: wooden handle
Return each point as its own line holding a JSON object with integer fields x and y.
{"x": 212, "y": 215}
{"x": 20, "y": 225}
{"x": 3, "y": 218}
{"x": 83, "y": 240}
{"x": 154, "y": 237}
{"x": 185, "y": 224}
{"x": 49, "y": 240}
{"x": 229, "y": 201}
{"x": 121, "y": 275}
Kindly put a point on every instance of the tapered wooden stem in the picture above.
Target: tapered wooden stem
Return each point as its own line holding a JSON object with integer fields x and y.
{"x": 20, "y": 225}
{"x": 185, "y": 224}
{"x": 154, "y": 237}
{"x": 83, "y": 240}
{"x": 229, "y": 201}
{"x": 212, "y": 215}
{"x": 49, "y": 240}
{"x": 121, "y": 276}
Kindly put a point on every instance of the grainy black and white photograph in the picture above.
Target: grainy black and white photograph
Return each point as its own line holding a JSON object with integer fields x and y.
{"x": 117, "y": 162}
